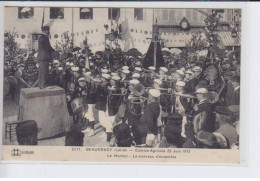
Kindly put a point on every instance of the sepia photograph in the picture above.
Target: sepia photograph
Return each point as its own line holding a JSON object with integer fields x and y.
{"x": 121, "y": 77}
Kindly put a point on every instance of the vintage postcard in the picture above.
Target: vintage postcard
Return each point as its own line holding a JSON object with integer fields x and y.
{"x": 121, "y": 84}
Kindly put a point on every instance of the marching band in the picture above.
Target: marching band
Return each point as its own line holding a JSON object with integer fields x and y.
{"x": 165, "y": 107}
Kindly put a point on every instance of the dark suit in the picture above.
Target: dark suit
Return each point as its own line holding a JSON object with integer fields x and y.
{"x": 208, "y": 123}
{"x": 150, "y": 117}
{"x": 44, "y": 57}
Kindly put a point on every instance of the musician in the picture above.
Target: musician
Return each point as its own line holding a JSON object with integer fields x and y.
{"x": 150, "y": 116}
{"x": 157, "y": 83}
{"x": 67, "y": 77}
{"x": 125, "y": 74}
{"x": 90, "y": 100}
{"x": 232, "y": 95}
{"x": 179, "y": 75}
{"x": 55, "y": 74}
{"x": 129, "y": 117}
{"x": 194, "y": 80}
{"x": 44, "y": 56}
{"x": 197, "y": 70}
{"x": 148, "y": 81}
{"x": 202, "y": 118}
{"x": 114, "y": 101}
{"x": 72, "y": 93}
{"x": 188, "y": 75}
{"x": 181, "y": 103}
{"x": 101, "y": 102}
{"x": 163, "y": 73}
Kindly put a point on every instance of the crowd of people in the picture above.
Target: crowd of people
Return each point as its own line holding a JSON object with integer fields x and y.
{"x": 165, "y": 107}
{"x": 170, "y": 106}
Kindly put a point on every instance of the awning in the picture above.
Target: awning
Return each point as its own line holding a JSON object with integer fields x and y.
{"x": 179, "y": 39}
{"x": 228, "y": 40}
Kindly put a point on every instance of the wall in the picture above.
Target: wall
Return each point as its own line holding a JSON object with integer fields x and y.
{"x": 135, "y": 32}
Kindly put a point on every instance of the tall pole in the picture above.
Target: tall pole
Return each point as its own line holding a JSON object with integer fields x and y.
{"x": 72, "y": 26}
{"x": 155, "y": 43}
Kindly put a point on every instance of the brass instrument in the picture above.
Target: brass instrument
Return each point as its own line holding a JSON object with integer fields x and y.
{"x": 137, "y": 101}
{"x": 212, "y": 97}
{"x": 113, "y": 92}
{"x": 137, "y": 105}
{"x": 172, "y": 93}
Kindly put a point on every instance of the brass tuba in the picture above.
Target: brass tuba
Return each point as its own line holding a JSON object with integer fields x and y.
{"x": 212, "y": 97}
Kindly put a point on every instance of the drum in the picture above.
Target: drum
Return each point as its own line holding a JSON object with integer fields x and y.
{"x": 137, "y": 105}
{"x": 77, "y": 105}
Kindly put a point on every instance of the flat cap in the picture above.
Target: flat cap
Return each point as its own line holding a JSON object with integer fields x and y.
{"x": 180, "y": 83}
{"x": 201, "y": 91}
{"x": 154, "y": 92}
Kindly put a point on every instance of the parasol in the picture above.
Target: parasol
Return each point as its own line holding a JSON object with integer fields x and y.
{"x": 85, "y": 10}
{"x": 175, "y": 51}
{"x": 26, "y": 9}
{"x": 133, "y": 52}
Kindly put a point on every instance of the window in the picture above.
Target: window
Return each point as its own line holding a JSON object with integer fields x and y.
{"x": 171, "y": 15}
{"x": 56, "y": 13}
{"x": 194, "y": 15}
{"x": 114, "y": 12}
{"x": 188, "y": 14}
{"x": 25, "y": 13}
{"x": 229, "y": 14}
{"x": 138, "y": 14}
{"x": 165, "y": 15}
{"x": 86, "y": 13}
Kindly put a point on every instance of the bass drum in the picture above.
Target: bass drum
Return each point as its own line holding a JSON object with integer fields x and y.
{"x": 77, "y": 105}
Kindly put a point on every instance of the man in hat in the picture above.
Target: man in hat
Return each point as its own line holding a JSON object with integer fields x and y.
{"x": 202, "y": 114}
{"x": 90, "y": 100}
{"x": 114, "y": 101}
{"x": 122, "y": 133}
{"x": 191, "y": 84}
{"x": 232, "y": 95}
{"x": 162, "y": 73}
{"x": 129, "y": 116}
{"x": 181, "y": 103}
{"x": 223, "y": 119}
{"x": 206, "y": 140}
{"x": 172, "y": 136}
{"x": 150, "y": 116}
{"x": 44, "y": 56}
{"x": 101, "y": 102}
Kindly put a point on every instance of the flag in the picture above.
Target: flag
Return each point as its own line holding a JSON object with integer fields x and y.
{"x": 211, "y": 72}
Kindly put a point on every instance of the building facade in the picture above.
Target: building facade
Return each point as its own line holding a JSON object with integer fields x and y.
{"x": 136, "y": 25}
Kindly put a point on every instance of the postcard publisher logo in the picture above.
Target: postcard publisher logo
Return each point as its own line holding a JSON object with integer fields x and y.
{"x": 15, "y": 152}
